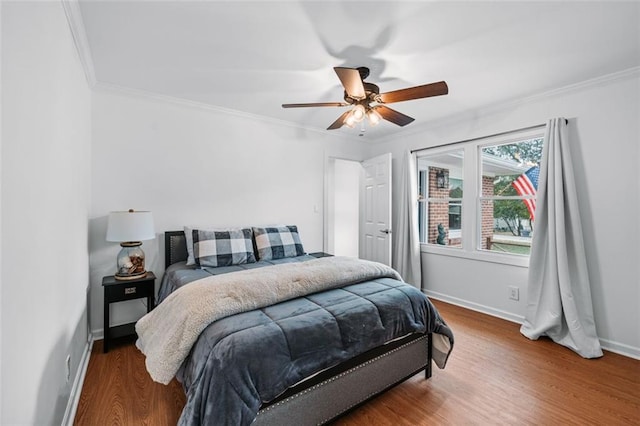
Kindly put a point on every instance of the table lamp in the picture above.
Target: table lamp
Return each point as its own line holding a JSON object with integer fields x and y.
{"x": 130, "y": 229}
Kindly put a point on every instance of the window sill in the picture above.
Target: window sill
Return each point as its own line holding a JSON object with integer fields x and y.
{"x": 480, "y": 256}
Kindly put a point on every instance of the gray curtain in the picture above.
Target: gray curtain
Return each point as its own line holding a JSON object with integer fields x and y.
{"x": 406, "y": 249}
{"x": 559, "y": 295}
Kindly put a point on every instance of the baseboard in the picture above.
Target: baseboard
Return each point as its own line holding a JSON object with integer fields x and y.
{"x": 475, "y": 306}
{"x": 76, "y": 389}
{"x": 620, "y": 349}
{"x": 97, "y": 334}
{"x": 608, "y": 345}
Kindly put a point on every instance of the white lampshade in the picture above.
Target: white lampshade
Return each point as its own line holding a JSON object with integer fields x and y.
{"x": 130, "y": 226}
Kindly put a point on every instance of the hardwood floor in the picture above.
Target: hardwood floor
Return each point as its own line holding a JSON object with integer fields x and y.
{"x": 118, "y": 391}
{"x": 494, "y": 376}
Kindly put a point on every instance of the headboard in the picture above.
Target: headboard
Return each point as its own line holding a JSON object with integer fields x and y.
{"x": 175, "y": 248}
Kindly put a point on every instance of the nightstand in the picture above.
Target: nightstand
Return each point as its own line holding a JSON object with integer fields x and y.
{"x": 320, "y": 254}
{"x": 118, "y": 291}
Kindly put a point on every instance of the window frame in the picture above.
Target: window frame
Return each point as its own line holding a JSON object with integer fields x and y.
{"x": 472, "y": 197}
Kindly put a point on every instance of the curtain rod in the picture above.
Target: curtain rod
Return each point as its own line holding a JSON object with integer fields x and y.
{"x": 484, "y": 137}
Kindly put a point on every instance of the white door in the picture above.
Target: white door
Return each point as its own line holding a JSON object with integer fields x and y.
{"x": 375, "y": 210}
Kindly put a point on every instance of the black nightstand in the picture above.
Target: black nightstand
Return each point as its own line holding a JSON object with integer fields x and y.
{"x": 319, "y": 254}
{"x": 118, "y": 291}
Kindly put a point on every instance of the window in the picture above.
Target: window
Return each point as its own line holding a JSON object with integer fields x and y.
{"x": 478, "y": 197}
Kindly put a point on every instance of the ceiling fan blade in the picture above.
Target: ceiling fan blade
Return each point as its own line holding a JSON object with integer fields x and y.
{"x": 393, "y": 115}
{"x": 316, "y": 104}
{"x": 417, "y": 92}
{"x": 350, "y": 79}
{"x": 339, "y": 122}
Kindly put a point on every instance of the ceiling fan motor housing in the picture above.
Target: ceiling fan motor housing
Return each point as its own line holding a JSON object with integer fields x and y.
{"x": 371, "y": 94}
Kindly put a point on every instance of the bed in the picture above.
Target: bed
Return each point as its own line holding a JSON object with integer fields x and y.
{"x": 274, "y": 365}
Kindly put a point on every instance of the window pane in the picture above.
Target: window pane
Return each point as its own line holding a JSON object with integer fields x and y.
{"x": 506, "y": 227}
{"x": 455, "y": 215}
{"x": 526, "y": 151}
{"x": 441, "y": 175}
{"x": 511, "y": 169}
{"x": 509, "y": 185}
{"x": 440, "y": 231}
{"x": 440, "y": 189}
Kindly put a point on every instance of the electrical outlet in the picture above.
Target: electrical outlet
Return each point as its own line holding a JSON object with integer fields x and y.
{"x": 514, "y": 293}
{"x": 68, "y": 368}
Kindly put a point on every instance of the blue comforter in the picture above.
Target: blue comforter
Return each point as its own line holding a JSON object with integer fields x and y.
{"x": 246, "y": 359}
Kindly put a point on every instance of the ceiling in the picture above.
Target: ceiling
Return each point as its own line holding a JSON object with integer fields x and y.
{"x": 253, "y": 56}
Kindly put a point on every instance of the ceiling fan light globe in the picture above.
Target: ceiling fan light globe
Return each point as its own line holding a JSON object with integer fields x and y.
{"x": 374, "y": 117}
{"x": 350, "y": 121}
{"x": 358, "y": 113}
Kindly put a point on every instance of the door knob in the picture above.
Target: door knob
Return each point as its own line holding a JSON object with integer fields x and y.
{"x": 385, "y": 231}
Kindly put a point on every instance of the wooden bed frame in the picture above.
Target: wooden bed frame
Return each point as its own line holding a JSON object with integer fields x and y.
{"x": 337, "y": 390}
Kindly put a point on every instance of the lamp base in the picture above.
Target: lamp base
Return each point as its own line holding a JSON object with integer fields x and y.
{"x": 127, "y": 277}
{"x": 130, "y": 262}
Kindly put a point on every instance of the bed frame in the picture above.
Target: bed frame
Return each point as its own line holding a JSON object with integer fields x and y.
{"x": 340, "y": 389}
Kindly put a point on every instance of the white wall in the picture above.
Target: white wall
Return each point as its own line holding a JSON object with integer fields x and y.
{"x": 605, "y": 134}
{"x": 197, "y": 166}
{"x": 0, "y": 212}
{"x": 45, "y": 200}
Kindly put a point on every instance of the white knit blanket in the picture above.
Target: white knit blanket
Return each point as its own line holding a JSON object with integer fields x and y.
{"x": 167, "y": 333}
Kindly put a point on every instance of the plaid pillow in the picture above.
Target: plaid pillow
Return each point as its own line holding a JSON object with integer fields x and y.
{"x": 278, "y": 242}
{"x": 223, "y": 248}
{"x": 188, "y": 235}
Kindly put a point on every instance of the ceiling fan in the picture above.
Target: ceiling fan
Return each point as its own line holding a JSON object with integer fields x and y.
{"x": 367, "y": 101}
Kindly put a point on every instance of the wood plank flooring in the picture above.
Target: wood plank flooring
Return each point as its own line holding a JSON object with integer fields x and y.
{"x": 494, "y": 376}
{"x": 118, "y": 391}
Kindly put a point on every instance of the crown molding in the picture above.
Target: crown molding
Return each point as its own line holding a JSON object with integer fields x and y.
{"x": 570, "y": 88}
{"x": 514, "y": 103}
{"x": 158, "y": 98}
{"x": 79, "y": 34}
{"x": 445, "y": 121}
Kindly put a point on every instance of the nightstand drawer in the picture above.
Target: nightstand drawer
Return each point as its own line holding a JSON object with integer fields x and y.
{"x": 128, "y": 291}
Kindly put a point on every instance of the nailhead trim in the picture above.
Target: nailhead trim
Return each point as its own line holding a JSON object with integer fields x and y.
{"x": 345, "y": 373}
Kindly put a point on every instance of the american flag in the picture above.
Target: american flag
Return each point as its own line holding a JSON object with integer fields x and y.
{"x": 527, "y": 184}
